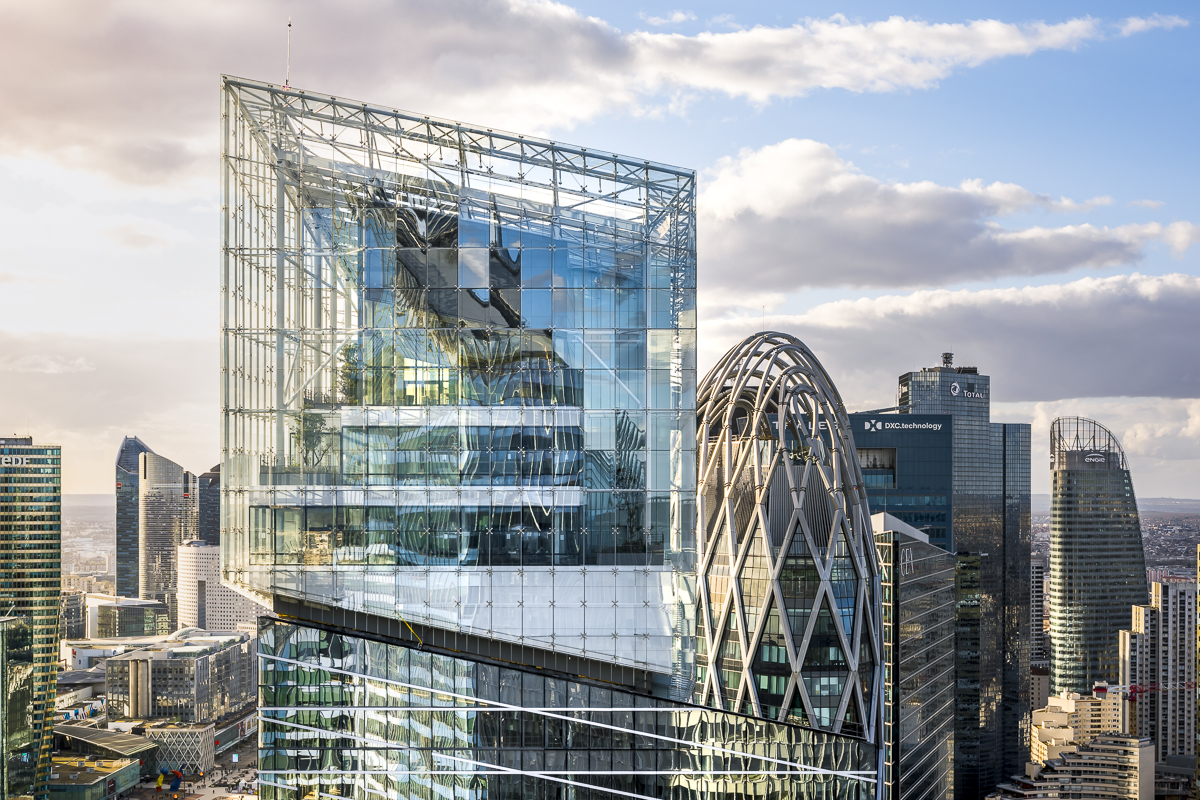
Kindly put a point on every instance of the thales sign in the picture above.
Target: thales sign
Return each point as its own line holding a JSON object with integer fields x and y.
{"x": 957, "y": 390}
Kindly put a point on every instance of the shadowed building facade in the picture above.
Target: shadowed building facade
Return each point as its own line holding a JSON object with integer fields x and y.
{"x": 458, "y": 453}
{"x": 991, "y": 535}
{"x": 128, "y": 537}
{"x": 1097, "y": 565}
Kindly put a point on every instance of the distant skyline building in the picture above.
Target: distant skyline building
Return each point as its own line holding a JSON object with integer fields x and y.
{"x": 991, "y": 535}
{"x": 907, "y": 464}
{"x": 1113, "y": 766}
{"x": 209, "y": 527}
{"x": 1097, "y": 565}
{"x": 919, "y": 601}
{"x": 121, "y": 617}
{"x": 168, "y": 516}
{"x": 72, "y": 615}
{"x": 1039, "y": 650}
{"x": 30, "y": 570}
{"x": 128, "y": 537}
{"x": 203, "y": 601}
{"x": 1158, "y": 651}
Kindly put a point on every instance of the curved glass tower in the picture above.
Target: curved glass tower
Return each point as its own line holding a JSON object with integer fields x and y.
{"x": 788, "y": 617}
{"x": 1097, "y": 566}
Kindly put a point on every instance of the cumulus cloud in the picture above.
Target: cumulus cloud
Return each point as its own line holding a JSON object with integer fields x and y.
{"x": 674, "y": 18}
{"x": 1132, "y": 25}
{"x": 795, "y": 214}
{"x": 1160, "y": 437}
{"x": 1131, "y": 335}
{"x": 1147, "y": 203}
{"x": 132, "y": 91}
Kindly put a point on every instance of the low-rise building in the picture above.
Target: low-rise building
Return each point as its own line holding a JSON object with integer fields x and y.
{"x": 72, "y": 619}
{"x": 190, "y": 676}
{"x": 125, "y": 616}
{"x": 91, "y": 777}
{"x": 1116, "y": 766}
{"x": 1068, "y": 720}
{"x": 187, "y": 747}
{"x": 88, "y": 741}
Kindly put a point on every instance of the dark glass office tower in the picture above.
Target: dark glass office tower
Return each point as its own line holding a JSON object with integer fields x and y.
{"x": 209, "y": 483}
{"x": 128, "y": 530}
{"x": 30, "y": 571}
{"x": 919, "y": 619}
{"x": 908, "y": 469}
{"x": 458, "y": 453}
{"x": 19, "y": 738}
{"x": 1097, "y": 565}
{"x": 991, "y": 503}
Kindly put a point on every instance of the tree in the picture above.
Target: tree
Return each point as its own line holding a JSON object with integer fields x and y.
{"x": 310, "y": 438}
{"x": 348, "y": 374}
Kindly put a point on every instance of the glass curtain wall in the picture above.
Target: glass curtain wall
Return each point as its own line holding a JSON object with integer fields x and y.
{"x": 1097, "y": 565}
{"x": 458, "y": 377}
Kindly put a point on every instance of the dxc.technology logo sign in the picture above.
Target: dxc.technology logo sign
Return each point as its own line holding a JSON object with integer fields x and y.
{"x": 874, "y": 425}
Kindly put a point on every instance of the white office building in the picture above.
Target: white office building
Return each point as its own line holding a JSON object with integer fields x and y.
{"x": 203, "y": 601}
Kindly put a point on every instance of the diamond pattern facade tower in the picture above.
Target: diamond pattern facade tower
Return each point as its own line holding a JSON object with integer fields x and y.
{"x": 788, "y": 621}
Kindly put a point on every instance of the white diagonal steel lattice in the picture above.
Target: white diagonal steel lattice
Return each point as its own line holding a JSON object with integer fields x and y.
{"x": 788, "y": 616}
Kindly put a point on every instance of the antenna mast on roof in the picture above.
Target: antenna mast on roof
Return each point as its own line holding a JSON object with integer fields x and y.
{"x": 287, "y": 78}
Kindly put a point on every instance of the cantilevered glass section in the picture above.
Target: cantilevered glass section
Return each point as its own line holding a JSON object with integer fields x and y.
{"x": 458, "y": 377}
{"x": 788, "y": 613}
{"x": 1097, "y": 565}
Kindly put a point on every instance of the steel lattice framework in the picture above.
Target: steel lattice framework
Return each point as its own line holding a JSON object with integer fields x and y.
{"x": 789, "y": 611}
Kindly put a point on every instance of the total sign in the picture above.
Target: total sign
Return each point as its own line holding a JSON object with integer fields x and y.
{"x": 14, "y": 461}
{"x": 956, "y": 390}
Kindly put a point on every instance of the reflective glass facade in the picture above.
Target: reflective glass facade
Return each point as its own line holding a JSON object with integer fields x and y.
{"x": 19, "y": 737}
{"x": 991, "y": 523}
{"x": 31, "y": 570}
{"x": 353, "y": 716}
{"x": 128, "y": 531}
{"x": 908, "y": 469}
{"x": 168, "y": 516}
{"x": 1097, "y": 565}
{"x": 459, "y": 377}
{"x": 919, "y": 603}
{"x": 788, "y": 618}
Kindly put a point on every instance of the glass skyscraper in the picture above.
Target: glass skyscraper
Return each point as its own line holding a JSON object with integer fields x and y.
{"x": 19, "y": 738}
{"x": 1097, "y": 565}
{"x": 31, "y": 577}
{"x": 919, "y": 619}
{"x": 458, "y": 458}
{"x": 991, "y": 534}
{"x": 128, "y": 531}
{"x": 168, "y": 516}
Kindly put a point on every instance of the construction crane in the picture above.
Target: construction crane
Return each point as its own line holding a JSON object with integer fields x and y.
{"x": 1134, "y": 690}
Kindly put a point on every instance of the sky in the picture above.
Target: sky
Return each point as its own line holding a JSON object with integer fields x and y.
{"x": 1012, "y": 182}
